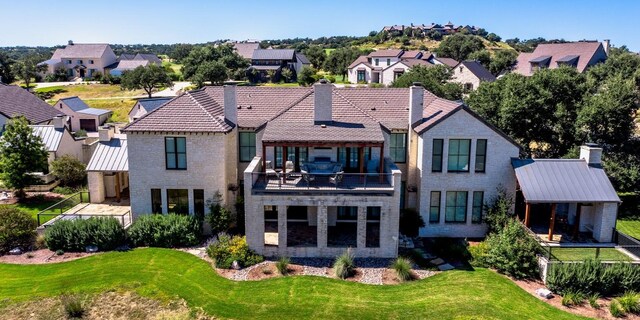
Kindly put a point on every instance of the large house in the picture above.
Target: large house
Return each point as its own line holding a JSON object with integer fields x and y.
{"x": 385, "y": 66}
{"x": 245, "y": 49}
{"x": 423, "y": 29}
{"x": 265, "y": 60}
{"x": 470, "y": 74}
{"x": 16, "y": 101}
{"x": 81, "y": 60}
{"x": 580, "y": 55}
{"x": 323, "y": 168}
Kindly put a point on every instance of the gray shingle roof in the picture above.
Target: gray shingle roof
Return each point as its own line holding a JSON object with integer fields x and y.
{"x": 81, "y": 50}
{"x": 127, "y": 56}
{"x": 273, "y": 54}
{"x": 15, "y": 100}
{"x": 148, "y": 57}
{"x": 94, "y": 111}
{"x": 110, "y": 156}
{"x": 74, "y": 103}
{"x": 563, "y": 181}
{"x": 50, "y": 136}
{"x": 478, "y": 70}
{"x": 153, "y": 103}
{"x": 129, "y": 64}
{"x": 245, "y": 49}
{"x": 302, "y": 58}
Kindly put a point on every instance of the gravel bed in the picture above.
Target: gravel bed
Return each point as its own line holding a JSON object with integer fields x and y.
{"x": 314, "y": 271}
{"x": 424, "y": 273}
{"x": 372, "y": 275}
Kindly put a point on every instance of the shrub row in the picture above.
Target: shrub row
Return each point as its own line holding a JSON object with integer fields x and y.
{"x": 592, "y": 277}
{"x": 166, "y": 231}
{"x": 225, "y": 249}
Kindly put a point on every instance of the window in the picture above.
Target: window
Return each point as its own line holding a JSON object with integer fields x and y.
{"x": 476, "y": 211}
{"x": 397, "y": 74}
{"x": 278, "y": 156}
{"x": 176, "y": 153}
{"x": 481, "y": 155}
{"x": 347, "y": 213}
{"x": 247, "y": 146}
{"x": 68, "y": 61}
{"x": 377, "y": 62}
{"x": 468, "y": 86}
{"x": 178, "y": 201}
{"x": 436, "y": 155}
{"x": 373, "y": 227}
{"x": 303, "y": 156}
{"x": 456, "y": 206}
{"x": 361, "y": 77}
{"x": 458, "y": 155}
{"x": 398, "y": 147}
{"x": 156, "y": 201}
{"x": 388, "y": 62}
{"x": 198, "y": 202}
{"x": 79, "y": 61}
{"x": 434, "y": 207}
{"x": 90, "y": 61}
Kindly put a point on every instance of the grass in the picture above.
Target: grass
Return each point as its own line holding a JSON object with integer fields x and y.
{"x": 269, "y": 84}
{"x": 90, "y": 91}
{"x": 33, "y": 208}
{"x": 630, "y": 227}
{"x": 579, "y": 254}
{"x": 167, "y": 274}
{"x": 120, "y": 107}
{"x": 175, "y": 67}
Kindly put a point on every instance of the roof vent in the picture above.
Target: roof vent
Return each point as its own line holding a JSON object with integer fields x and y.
{"x": 373, "y": 108}
{"x": 249, "y": 107}
{"x": 386, "y": 102}
{"x": 70, "y": 42}
{"x": 239, "y": 107}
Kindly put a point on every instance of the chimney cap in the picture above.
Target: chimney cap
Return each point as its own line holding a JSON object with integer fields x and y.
{"x": 231, "y": 83}
{"x": 417, "y": 84}
{"x": 70, "y": 42}
{"x": 591, "y": 145}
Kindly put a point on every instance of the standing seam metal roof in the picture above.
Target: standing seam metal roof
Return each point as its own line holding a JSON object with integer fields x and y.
{"x": 110, "y": 156}
{"x": 50, "y": 136}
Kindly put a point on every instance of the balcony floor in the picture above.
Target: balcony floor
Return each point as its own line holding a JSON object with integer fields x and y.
{"x": 349, "y": 184}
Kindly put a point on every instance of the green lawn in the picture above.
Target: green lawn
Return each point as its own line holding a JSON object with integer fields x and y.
{"x": 33, "y": 208}
{"x": 164, "y": 274}
{"x": 579, "y": 254}
{"x": 90, "y": 91}
{"x": 120, "y": 107}
{"x": 630, "y": 227}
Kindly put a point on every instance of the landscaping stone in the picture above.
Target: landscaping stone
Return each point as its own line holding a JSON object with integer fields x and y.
{"x": 314, "y": 271}
{"x": 235, "y": 265}
{"x": 372, "y": 275}
{"x": 445, "y": 267}
{"x": 437, "y": 261}
{"x": 15, "y": 251}
{"x": 91, "y": 249}
{"x": 545, "y": 293}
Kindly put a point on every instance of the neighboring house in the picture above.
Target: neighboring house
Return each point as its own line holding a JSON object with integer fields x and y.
{"x": 81, "y": 60}
{"x": 16, "y": 101}
{"x": 245, "y": 49}
{"x": 423, "y": 29}
{"x": 470, "y": 74}
{"x": 385, "y": 66}
{"x": 150, "y": 57}
{"x": 144, "y": 106}
{"x": 264, "y": 60}
{"x": 58, "y": 142}
{"x": 118, "y": 68}
{"x": 450, "y": 62}
{"x": 126, "y": 56}
{"x": 580, "y": 55}
{"x": 107, "y": 171}
{"x": 82, "y": 117}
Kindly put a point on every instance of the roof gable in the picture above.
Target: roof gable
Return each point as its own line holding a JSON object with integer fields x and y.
{"x": 583, "y": 51}
{"x": 74, "y": 103}
{"x": 15, "y": 100}
{"x": 82, "y": 50}
{"x": 478, "y": 70}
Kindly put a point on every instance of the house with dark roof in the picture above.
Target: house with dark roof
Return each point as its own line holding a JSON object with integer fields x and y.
{"x": 16, "y": 101}
{"x": 150, "y": 57}
{"x": 580, "y": 55}
{"x": 144, "y": 106}
{"x": 384, "y": 66}
{"x": 81, "y": 60}
{"x": 245, "y": 49}
{"x": 322, "y": 168}
{"x": 470, "y": 74}
{"x": 423, "y": 29}
{"x": 274, "y": 60}
{"x": 58, "y": 142}
{"x": 81, "y": 116}
{"x": 118, "y": 68}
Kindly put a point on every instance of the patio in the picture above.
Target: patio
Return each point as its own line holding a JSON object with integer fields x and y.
{"x": 350, "y": 183}
{"x": 121, "y": 211}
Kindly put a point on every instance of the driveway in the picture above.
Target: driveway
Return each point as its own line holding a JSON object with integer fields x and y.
{"x": 173, "y": 91}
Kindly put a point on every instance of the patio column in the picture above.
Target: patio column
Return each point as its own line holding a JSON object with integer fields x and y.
{"x": 282, "y": 229}
{"x": 527, "y": 213}
{"x": 552, "y": 221}
{"x": 117, "y": 186}
{"x": 362, "y": 228}
{"x": 322, "y": 227}
{"x": 361, "y": 158}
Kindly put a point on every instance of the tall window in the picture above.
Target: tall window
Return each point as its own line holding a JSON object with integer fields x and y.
{"x": 278, "y": 156}
{"x": 436, "y": 155}
{"x": 476, "y": 211}
{"x": 458, "y": 160}
{"x": 176, "y": 153}
{"x": 361, "y": 77}
{"x": 198, "y": 202}
{"x": 178, "y": 201}
{"x": 388, "y": 62}
{"x": 156, "y": 201}
{"x": 303, "y": 156}
{"x": 456, "y": 206}
{"x": 377, "y": 62}
{"x": 398, "y": 147}
{"x": 481, "y": 155}
{"x": 434, "y": 207}
{"x": 247, "y": 146}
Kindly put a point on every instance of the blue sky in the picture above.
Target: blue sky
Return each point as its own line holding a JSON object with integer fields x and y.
{"x": 191, "y": 21}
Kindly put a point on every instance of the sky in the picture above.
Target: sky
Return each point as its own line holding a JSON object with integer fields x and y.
{"x": 48, "y": 23}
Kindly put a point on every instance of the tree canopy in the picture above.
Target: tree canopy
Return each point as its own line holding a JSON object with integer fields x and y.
{"x": 433, "y": 78}
{"x": 224, "y": 54}
{"x": 6, "y": 74}
{"x": 339, "y": 60}
{"x": 149, "y": 78}
{"x": 459, "y": 46}
{"x": 27, "y": 69}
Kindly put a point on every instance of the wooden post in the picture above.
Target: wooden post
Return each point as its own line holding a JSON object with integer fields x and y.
{"x": 264, "y": 158}
{"x": 552, "y": 221}
{"x": 576, "y": 227}
{"x": 527, "y": 215}
{"x": 284, "y": 164}
{"x": 118, "y": 186}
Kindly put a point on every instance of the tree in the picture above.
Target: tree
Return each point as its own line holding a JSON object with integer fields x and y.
{"x": 482, "y": 56}
{"x": 316, "y": 56}
{"x": 28, "y": 68}
{"x": 149, "y": 79}
{"x": 339, "y": 60}
{"x": 69, "y": 170}
{"x": 21, "y": 152}
{"x": 219, "y": 217}
{"x": 459, "y": 46}
{"x": 433, "y": 78}
{"x": 224, "y": 54}
{"x": 180, "y": 51}
{"x": 493, "y": 37}
{"x": 434, "y": 35}
{"x": 6, "y": 74}
{"x": 307, "y": 76}
{"x": 17, "y": 229}
{"x": 212, "y": 71}
{"x": 286, "y": 74}
{"x": 502, "y": 60}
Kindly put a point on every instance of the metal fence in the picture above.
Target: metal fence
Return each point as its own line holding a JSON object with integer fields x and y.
{"x": 125, "y": 219}
{"x": 296, "y": 181}
{"x": 62, "y": 206}
{"x": 627, "y": 242}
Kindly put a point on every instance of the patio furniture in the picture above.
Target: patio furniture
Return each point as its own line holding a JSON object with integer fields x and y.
{"x": 306, "y": 176}
{"x": 337, "y": 178}
{"x": 270, "y": 172}
{"x": 288, "y": 169}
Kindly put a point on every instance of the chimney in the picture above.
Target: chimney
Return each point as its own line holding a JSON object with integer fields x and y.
{"x": 606, "y": 44}
{"x": 591, "y": 153}
{"x": 70, "y": 42}
{"x": 105, "y": 133}
{"x": 322, "y": 101}
{"x": 58, "y": 121}
{"x": 230, "y": 103}
{"x": 416, "y": 100}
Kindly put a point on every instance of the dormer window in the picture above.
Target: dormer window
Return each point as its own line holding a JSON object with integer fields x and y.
{"x": 68, "y": 61}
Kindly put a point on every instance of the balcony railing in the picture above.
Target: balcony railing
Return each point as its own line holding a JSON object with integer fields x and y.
{"x": 332, "y": 182}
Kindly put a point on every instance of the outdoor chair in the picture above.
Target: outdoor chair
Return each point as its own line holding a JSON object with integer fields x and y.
{"x": 270, "y": 172}
{"x": 337, "y": 178}
{"x": 288, "y": 169}
{"x": 306, "y": 176}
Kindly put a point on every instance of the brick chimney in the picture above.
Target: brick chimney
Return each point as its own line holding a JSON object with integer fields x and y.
{"x": 58, "y": 121}
{"x": 591, "y": 153}
{"x": 230, "y": 103}
{"x": 105, "y": 133}
{"x": 416, "y": 101}
{"x": 322, "y": 101}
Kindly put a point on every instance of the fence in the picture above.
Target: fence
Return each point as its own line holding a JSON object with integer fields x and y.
{"x": 627, "y": 242}
{"x": 297, "y": 181}
{"x": 62, "y": 206}
{"x": 125, "y": 218}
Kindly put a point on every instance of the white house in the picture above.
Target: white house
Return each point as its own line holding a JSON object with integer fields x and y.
{"x": 470, "y": 74}
{"x": 384, "y": 66}
{"x": 81, "y": 60}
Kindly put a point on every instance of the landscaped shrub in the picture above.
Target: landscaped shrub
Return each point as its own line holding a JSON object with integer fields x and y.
{"x": 73, "y": 306}
{"x": 593, "y": 277}
{"x": 283, "y": 266}
{"x": 219, "y": 217}
{"x": 615, "y": 309}
{"x": 410, "y": 222}
{"x": 571, "y": 299}
{"x": 165, "y": 231}
{"x": 402, "y": 267}
{"x": 593, "y": 300}
{"x": 630, "y": 302}
{"x": 454, "y": 249}
{"x": 479, "y": 254}
{"x": 512, "y": 251}
{"x": 17, "y": 229}
{"x": 344, "y": 267}
{"x": 498, "y": 211}
{"x": 225, "y": 249}
{"x": 75, "y": 235}
{"x": 69, "y": 170}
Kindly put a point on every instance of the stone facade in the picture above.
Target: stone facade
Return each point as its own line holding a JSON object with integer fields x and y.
{"x": 465, "y": 77}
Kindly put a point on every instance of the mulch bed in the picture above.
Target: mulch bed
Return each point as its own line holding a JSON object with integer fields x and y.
{"x": 42, "y": 256}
